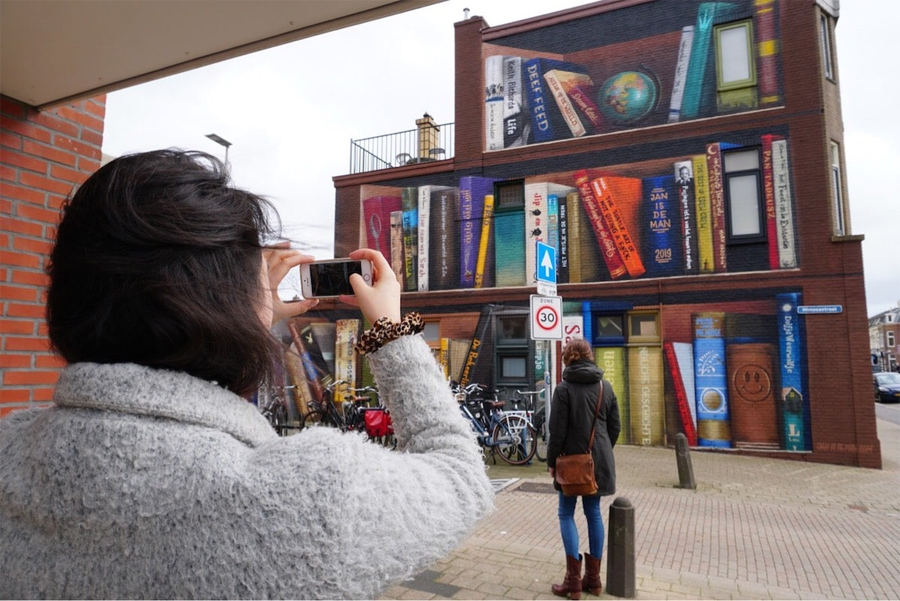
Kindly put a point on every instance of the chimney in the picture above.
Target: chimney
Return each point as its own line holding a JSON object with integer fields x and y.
{"x": 429, "y": 133}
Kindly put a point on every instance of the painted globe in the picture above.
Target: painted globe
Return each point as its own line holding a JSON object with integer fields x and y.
{"x": 627, "y": 97}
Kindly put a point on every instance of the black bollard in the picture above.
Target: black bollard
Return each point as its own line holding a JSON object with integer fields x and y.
{"x": 620, "y": 578}
{"x": 685, "y": 467}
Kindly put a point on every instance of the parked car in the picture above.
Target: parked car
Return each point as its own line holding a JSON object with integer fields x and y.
{"x": 887, "y": 387}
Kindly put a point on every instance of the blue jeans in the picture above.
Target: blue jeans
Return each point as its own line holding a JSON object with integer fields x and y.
{"x": 591, "y": 507}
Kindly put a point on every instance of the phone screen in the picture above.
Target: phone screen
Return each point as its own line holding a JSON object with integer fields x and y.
{"x": 332, "y": 278}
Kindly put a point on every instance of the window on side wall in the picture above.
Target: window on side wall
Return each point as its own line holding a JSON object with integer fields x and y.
{"x": 837, "y": 192}
{"x": 827, "y": 51}
{"x": 743, "y": 195}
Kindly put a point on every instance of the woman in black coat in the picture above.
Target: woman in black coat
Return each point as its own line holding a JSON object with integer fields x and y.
{"x": 571, "y": 421}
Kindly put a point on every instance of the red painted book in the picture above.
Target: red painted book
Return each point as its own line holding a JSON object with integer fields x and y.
{"x": 681, "y": 395}
{"x": 377, "y": 216}
{"x": 767, "y": 50}
{"x": 608, "y": 248}
{"x": 716, "y": 174}
{"x": 619, "y": 197}
{"x": 769, "y": 195}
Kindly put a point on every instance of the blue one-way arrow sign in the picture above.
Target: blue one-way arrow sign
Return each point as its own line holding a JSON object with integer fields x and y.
{"x": 546, "y": 263}
{"x": 545, "y": 269}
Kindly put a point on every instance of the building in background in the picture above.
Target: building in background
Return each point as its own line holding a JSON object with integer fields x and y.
{"x": 884, "y": 339}
{"x": 684, "y": 159}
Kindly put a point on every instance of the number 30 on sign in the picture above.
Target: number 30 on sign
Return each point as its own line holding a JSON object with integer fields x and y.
{"x": 546, "y": 317}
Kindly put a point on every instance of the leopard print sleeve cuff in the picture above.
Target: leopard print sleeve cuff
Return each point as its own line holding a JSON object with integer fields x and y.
{"x": 385, "y": 330}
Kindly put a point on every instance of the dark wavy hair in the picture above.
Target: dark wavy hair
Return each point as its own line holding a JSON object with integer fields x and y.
{"x": 157, "y": 262}
{"x": 577, "y": 348}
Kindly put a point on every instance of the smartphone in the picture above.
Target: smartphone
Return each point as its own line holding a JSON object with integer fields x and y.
{"x": 331, "y": 277}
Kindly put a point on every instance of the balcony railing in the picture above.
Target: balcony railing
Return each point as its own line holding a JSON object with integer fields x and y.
{"x": 401, "y": 148}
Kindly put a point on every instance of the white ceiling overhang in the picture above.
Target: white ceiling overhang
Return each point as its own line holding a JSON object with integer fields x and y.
{"x": 56, "y": 52}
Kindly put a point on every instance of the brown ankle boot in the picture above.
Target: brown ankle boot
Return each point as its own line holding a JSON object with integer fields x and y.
{"x": 571, "y": 585}
{"x": 591, "y": 581}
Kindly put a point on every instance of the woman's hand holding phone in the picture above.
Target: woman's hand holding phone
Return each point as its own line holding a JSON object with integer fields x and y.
{"x": 382, "y": 298}
{"x": 278, "y": 260}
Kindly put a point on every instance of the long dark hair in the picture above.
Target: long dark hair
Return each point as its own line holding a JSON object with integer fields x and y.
{"x": 157, "y": 262}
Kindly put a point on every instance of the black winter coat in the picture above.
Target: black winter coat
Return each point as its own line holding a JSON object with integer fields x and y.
{"x": 571, "y": 416}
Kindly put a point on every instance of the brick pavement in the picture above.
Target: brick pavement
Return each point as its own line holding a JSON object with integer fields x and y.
{"x": 754, "y": 529}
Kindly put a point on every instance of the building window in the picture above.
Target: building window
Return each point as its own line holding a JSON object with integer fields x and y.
{"x": 837, "y": 194}
{"x": 890, "y": 339}
{"x": 825, "y": 31}
{"x": 744, "y": 206}
{"x": 734, "y": 51}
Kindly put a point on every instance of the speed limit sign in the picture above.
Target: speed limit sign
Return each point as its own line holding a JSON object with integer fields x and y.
{"x": 546, "y": 317}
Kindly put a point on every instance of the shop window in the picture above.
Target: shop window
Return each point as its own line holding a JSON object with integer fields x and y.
{"x": 512, "y": 329}
{"x": 743, "y": 193}
{"x": 607, "y": 329}
{"x": 643, "y": 326}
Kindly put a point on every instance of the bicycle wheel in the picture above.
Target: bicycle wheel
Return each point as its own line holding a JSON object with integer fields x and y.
{"x": 514, "y": 439}
{"x": 317, "y": 418}
{"x": 540, "y": 449}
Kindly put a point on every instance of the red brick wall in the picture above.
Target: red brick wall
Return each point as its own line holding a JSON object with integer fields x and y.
{"x": 43, "y": 156}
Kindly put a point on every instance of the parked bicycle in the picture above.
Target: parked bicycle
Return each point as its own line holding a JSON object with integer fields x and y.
{"x": 525, "y": 401}
{"x": 509, "y": 435}
{"x": 325, "y": 413}
{"x": 272, "y": 402}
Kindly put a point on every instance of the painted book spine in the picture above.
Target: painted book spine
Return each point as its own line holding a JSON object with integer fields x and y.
{"x": 751, "y": 395}
{"x": 516, "y": 124}
{"x": 410, "y": 205}
{"x": 582, "y": 95}
{"x": 573, "y": 217}
{"x": 444, "y": 251}
{"x": 792, "y": 364}
{"x": 294, "y": 364}
{"x": 509, "y": 247}
{"x": 535, "y": 227}
{"x": 481, "y": 330}
{"x": 553, "y": 227}
{"x": 784, "y": 211}
{"x": 702, "y": 209}
{"x": 680, "y": 78}
{"x": 422, "y": 238}
{"x": 682, "y": 400}
{"x": 646, "y": 400}
{"x": 562, "y": 270}
{"x": 472, "y": 190}
{"x": 684, "y": 189}
{"x": 345, "y": 367}
{"x": 715, "y": 173}
{"x": 547, "y": 123}
{"x": 377, "y": 214}
{"x": 696, "y": 81}
{"x": 564, "y": 103}
{"x": 486, "y": 225}
{"x": 396, "y": 253}
{"x": 711, "y": 380}
{"x": 493, "y": 103}
{"x": 625, "y": 243}
{"x": 767, "y": 51}
{"x": 769, "y": 196}
{"x": 612, "y": 361}
{"x": 609, "y": 250}
{"x": 662, "y": 227}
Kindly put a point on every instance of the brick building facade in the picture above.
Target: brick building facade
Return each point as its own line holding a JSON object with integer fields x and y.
{"x": 787, "y": 305}
{"x": 43, "y": 156}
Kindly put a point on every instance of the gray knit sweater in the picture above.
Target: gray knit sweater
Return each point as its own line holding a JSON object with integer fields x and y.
{"x": 142, "y": 483}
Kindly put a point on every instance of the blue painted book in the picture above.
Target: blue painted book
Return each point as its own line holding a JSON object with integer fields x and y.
{"x": 697, "y": 79}
{"x": 792, "y": 365}
{"x": 509, "y": 245}
{"x": 472, "y": 190}
{"x": 547, "y": 122}
{"x": 410, "y": 208}
{"x": 562, "y": 253}
{"x": 662, "y": 227}
{"x": 711, "y": 380}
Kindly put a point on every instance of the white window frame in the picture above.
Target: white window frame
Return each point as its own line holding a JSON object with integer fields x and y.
{"x": 890, "y": 340}
{"x": 837, "y": 191}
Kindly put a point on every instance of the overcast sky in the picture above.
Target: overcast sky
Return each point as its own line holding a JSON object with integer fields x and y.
{"x": 290, "y": 113}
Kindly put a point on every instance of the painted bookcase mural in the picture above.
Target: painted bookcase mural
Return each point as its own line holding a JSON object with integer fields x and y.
{"x": 629, "y": 68}
{"x": 720, "y": 207}
{"x": 726, "y": 375}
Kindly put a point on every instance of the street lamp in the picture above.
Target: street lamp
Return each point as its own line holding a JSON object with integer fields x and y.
{"x": 222, "y": 141}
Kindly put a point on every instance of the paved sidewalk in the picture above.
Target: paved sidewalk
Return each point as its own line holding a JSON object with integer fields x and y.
{"x": 753, "y": 529}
